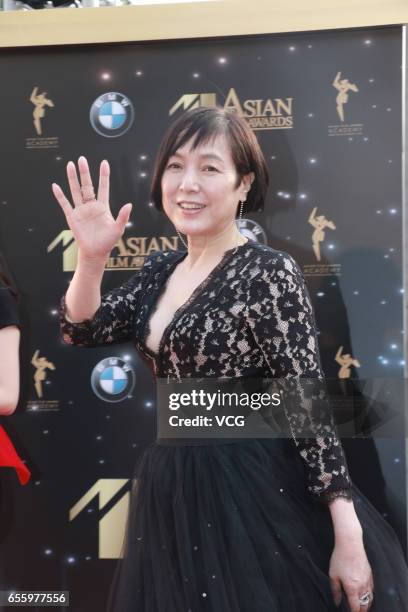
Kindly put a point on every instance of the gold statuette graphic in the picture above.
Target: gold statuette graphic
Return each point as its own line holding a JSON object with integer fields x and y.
{"x": 70, "y": 254}
{"x": 41, "y": 364}
{"x": 319, "y": 223}
{"x": 345, "y": 361}
{"x": 112, "y": 524}
{"x": 189, "y": 101}
{"x": 343, "y": 86}
{"x": 40, "y": 101}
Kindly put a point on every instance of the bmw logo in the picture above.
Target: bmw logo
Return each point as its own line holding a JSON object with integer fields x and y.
{"x": 112, "y": 114}
{"x": 113, "y": 379}
{"x": 251, "y": 230}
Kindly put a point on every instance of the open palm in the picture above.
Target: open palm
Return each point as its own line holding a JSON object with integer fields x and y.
{"x": 95, "y": 230}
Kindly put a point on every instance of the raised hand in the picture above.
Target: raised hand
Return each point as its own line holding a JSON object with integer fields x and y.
{"x": 95, "y": 230}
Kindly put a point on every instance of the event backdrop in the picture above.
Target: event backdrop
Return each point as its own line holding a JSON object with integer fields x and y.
{"x": 326, "y": 108}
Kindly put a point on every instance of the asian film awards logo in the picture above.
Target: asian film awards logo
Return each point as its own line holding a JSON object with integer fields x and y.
{"x": 128, "y": 254}
{"x": 112, "y": 114}
{"x": 261, "y": 114}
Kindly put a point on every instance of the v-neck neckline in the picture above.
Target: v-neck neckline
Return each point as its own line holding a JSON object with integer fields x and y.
{"x": 181, "y": 309}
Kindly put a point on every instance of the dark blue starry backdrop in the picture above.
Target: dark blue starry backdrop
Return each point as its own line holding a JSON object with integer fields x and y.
{"x": 326, "y": 108}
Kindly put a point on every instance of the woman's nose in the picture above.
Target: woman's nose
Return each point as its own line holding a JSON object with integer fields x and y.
{"x": 189, "y": 181}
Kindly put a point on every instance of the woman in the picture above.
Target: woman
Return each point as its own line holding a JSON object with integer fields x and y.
{"x": 225, "y": 525}
{"x": 9, "y": 373}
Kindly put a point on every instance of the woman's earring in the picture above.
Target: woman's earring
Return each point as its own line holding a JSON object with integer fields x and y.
{"x": 241, "y": 206}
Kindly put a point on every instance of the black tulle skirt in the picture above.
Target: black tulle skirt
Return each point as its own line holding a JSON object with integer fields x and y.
{"x": 231, "y": 528}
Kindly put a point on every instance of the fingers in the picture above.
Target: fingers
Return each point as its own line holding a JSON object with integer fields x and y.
{"x": 103, "y": 189}
{"x": 74, "y": 184}
{"x": 336, "y": 590}
{"x": 62, "y": 200}
{"x": 87, "y": 190}
{"x": 123, "y": 217}
{"x": 354, "y": 602}
{"x": 82, "y": 190}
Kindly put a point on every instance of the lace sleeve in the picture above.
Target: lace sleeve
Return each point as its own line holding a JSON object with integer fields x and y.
{"x": 281, "y": 317}
{"x": 113, "y": 321}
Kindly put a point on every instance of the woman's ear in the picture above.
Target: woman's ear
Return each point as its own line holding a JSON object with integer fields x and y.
{"x": 247, "y": 181}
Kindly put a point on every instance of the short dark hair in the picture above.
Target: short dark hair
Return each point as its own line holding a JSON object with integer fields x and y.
{"x": 206, "y": 123}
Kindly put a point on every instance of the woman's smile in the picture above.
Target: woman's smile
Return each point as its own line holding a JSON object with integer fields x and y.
{"x": 190, "y": 208}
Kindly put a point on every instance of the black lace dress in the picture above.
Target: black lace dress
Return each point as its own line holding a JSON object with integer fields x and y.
{"x": 236, "y": 525}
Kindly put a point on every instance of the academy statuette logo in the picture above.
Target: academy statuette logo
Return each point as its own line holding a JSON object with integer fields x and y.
{"x": 112, "y": 114}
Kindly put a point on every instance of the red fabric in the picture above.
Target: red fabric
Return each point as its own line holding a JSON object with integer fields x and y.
{"x": 9, "y": 458}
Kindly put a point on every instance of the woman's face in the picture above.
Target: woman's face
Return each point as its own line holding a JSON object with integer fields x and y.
{"x": 204, "y": 177}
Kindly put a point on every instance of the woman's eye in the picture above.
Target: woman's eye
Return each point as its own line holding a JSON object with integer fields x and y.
{"x": 177, "y": 166}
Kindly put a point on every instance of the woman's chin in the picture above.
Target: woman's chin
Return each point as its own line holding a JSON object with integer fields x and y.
{"x": 194, "y": 229}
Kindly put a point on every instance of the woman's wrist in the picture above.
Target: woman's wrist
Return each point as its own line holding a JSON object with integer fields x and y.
{"x": 83, "y": 296}
{"x": 91, "y": 265}
{"x": 90, "y": 271}
{"x": 346, "y": 524}
{"x": 352, "y": 533}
